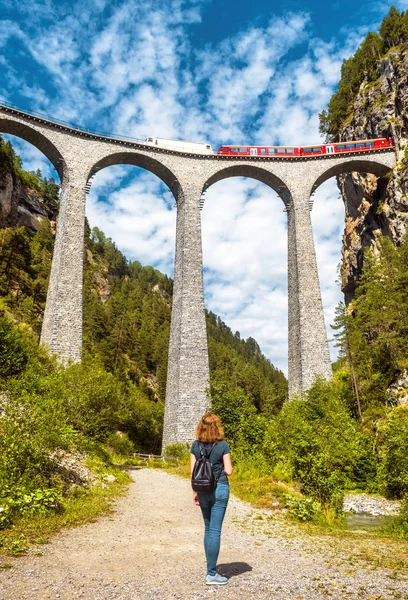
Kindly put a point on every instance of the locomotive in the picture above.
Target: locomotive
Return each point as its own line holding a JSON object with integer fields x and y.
{"x": 180, "y": 145}
{"x": 306, "y": 151}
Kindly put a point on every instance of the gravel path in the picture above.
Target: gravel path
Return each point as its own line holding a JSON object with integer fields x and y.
{"x": 150, "y": 548}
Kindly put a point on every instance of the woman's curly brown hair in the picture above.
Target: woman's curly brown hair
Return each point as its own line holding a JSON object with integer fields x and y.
{"x": 209, "y": 428}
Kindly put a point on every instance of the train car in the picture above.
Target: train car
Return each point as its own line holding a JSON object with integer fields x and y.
{"x": 342, "y": 147}
{"x": 285, "y": 151}
{"x": 306, "y": 151}
{"x": 180, "y": 145}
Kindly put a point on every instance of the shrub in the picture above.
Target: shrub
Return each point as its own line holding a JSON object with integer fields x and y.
{"x": 180, "y": 451}
{"x": 92, "y": 399}
{"x": 20, "y": 502}
{"x": 120, "y": 443}
{"x": 302, "y": 509}
{"x": 319, "y": 443}
{"x": 398, "y": 526}
{"x": 13, "y": 352}
{"x": 393, "y": 471}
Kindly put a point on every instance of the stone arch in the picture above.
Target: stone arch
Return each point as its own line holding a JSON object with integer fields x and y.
{"x": 252, "y": 172}
{"x": 139, "y": 160}
{"x": 358, "y": 165}
{"x": 38, "y": 140}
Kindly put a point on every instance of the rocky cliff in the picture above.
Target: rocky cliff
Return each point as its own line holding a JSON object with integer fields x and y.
{"x": 22, "y": 206}
{"x": 376, "y": 207}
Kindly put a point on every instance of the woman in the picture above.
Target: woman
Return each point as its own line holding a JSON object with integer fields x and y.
{"x": 210, "y": 438}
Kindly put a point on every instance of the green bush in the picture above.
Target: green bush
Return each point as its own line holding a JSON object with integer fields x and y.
{"x": 17, "y": 501}
{"x": 142, "y": 420}
{"x": 13, "y": 352}
{"x": 398, "y": 526}
{"x": 319, "y": 442}
{"x": 302, "y": 509}
{"x": 120, "y": 443}
{"x": 393, "y": 471}
{"x": 30, "y": 430}
{"x": 91, "y": 398}
{"x": 180, "y": 451}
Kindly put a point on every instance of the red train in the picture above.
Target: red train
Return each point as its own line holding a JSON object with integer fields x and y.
{"x": 306, "y": 151}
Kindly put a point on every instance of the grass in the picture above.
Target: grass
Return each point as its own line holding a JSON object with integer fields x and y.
{"x": 83, "y": 505}
{"x": 261, "y": 492}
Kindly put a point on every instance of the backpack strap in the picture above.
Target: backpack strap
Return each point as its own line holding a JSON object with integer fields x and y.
{"x": 204, "y": 451}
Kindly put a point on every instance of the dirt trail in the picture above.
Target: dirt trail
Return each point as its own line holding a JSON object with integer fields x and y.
{"x": 151, "y": 549}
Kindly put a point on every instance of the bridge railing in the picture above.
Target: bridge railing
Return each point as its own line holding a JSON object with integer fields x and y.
{"x": 54, "y": 121}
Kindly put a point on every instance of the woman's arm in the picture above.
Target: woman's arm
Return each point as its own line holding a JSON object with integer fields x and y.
{"x": 192, "y": 463}
{"x": 227, "y": 464}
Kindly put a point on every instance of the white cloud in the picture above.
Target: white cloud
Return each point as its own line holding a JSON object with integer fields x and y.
{"x": 244, "y": 253}
{"x": 138, "y": 215}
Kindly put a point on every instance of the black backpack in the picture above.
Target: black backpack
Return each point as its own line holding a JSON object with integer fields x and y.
{"x": 202, "y": 479}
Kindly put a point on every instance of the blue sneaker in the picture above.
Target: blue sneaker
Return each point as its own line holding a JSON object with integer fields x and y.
{"x": 216, "y": 579}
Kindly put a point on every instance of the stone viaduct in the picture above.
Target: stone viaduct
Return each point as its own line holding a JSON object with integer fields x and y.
{"x": 77, "y": 155}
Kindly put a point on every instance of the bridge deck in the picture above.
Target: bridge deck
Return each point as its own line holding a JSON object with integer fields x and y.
{"x": 139, "y": 143}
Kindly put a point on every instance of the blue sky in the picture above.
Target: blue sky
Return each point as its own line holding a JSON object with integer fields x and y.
{"x": 216, "y": 70}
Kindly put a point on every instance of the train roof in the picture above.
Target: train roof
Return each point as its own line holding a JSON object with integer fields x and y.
{"x": 252, "y": 146}
{"x": 345, "y": 142}
{"x": 177, "y": 141}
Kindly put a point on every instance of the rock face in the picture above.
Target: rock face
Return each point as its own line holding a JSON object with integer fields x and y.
{"x": 398, "y": 390}
{"x": 20, "y": 206}
{"x": 370, "y": 505}
{"x": 376, "y": 207}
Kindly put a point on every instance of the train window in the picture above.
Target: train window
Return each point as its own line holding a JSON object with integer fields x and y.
{"x": 340, "y": 147}
{"x": 360, "y": 145}
{"x": 271, "y": 150}
{"x": 149, "y": 139}
{"x": 370, "y": 144}
{"x": 263, "y": 150}
{"x": 317, "y": 149}
{"x": 243, "y": 150}
{"x": 234, "y": 149}
{"x": 307, "y": 150}
{"x": 350, "y": 146}
{"x": 290, "y": 151}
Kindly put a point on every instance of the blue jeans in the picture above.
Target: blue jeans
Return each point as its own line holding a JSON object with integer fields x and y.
{"x": 213, "y": 507}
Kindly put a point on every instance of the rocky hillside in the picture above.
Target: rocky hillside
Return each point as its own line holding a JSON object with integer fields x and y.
{"x": 376, "y": 207}
{"x": 26, "y": 198}
{"x": 22, "y": 206}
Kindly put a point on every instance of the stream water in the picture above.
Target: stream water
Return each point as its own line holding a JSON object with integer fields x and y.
{"x": 365, "y": 521}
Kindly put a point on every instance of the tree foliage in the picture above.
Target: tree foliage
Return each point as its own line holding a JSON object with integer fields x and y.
{"x": 376, "y": 327}
{"x": 363, "y": 65}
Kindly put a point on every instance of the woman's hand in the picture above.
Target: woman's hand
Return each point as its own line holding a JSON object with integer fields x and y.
{"x": 195, "y": 499}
